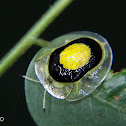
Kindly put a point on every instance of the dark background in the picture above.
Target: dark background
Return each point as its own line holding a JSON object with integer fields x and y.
{"x": 16, "y": 17}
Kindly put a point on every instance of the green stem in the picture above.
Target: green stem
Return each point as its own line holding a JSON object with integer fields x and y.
{"x": 40, "y": 42}
{"x": 27, "y": 41}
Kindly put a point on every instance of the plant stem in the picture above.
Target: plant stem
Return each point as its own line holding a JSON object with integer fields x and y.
{"x": 27, "y": 41}
{"x": 40, "y": 42}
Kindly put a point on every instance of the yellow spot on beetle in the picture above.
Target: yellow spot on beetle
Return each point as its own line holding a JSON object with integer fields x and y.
{"x": 75, "y": 56}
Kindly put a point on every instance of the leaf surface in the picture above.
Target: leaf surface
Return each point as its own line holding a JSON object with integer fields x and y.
{"x": 106, "y": 106}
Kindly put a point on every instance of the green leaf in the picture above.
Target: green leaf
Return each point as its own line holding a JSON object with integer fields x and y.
{"x": 106, "y": 106}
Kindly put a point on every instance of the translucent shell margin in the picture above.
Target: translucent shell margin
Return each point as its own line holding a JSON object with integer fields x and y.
{"x": 73, "y": 91}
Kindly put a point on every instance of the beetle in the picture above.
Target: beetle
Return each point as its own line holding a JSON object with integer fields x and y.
{"x": 73, "y": 65}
